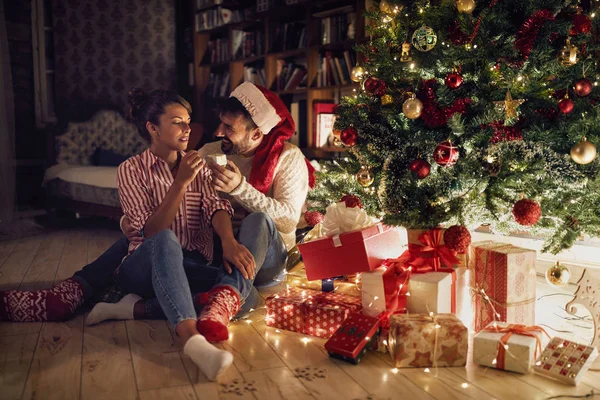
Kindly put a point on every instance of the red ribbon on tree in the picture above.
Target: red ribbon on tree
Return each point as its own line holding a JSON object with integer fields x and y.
{"x": 517, "y": 329}
{"x": 530, "y": 29}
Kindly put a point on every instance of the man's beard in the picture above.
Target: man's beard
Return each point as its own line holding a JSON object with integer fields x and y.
{"x": 229, "y": 148}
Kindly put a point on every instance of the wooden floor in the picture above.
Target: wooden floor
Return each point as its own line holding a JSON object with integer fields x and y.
{"x": 142, "y": 359}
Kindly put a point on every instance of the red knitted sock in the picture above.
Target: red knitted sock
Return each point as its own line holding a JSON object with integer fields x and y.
{"x": 223, "y": 304}
{"x": 56, "y": 304}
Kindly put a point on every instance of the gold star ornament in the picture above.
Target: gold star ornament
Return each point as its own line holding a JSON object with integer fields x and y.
{"x": 509, "y": 105}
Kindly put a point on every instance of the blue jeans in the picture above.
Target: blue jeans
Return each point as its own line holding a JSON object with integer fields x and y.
{"x": 257, "y": 233}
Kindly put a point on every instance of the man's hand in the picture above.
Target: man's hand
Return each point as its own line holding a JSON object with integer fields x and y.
{"x": 226, "y": 179}
{"x": 128, "y": 229}
{"x": 239, "y": 256}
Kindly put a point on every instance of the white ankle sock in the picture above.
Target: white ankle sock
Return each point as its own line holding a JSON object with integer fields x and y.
{"x": 121, "y": 310}
{"x": 211, "y": 360}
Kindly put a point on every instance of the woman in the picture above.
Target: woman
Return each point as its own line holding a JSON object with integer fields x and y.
{"x": 167, "y": 196}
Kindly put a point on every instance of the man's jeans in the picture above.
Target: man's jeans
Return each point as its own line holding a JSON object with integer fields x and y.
{"x": 159, "y": 267}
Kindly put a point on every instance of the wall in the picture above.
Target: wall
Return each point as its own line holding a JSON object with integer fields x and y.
{"x": 105, "y": 47}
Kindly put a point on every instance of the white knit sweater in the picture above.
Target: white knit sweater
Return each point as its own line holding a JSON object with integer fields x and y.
{"x": 285, "y": 197}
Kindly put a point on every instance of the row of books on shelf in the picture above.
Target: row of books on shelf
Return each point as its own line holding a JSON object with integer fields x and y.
{"x": 247, "y": 44}
{"x": 287, "y": 36}
{"x": 215, "y": 17}
{"x": 323, "y": 121}
{"x": 290, "y": 75}
{"x": 335, "y": 69}
{"x": 338, "y": 27}
{"x": 216, "y": 51}
{"x": 255, "y": 75}
{"x": 218, "y": 84}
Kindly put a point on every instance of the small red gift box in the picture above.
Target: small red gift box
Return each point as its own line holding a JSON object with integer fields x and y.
{"x": 309, "y": 311}
{"x": 350, "y": 252}
{"x": 351, "y": 340}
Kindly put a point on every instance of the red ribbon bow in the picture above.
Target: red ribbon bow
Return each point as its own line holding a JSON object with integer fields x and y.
{"x": 517, "y": 329}
{"x": 431, "y": 255}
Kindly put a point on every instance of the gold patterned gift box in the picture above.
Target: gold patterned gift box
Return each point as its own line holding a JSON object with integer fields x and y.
{"x": 420, "y": 340}
{"x": 350, "y": 286}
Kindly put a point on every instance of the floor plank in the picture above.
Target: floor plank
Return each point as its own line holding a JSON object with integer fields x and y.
{"x": 6, "y": 248}
{"x": 175, "y": 393}
{"x": 74, "y": 255}
{"x": 276, "y": 384}
{"x": 42, "y": 270}
{"x": 156, "y": 359}
{"x": 107, "y": 371}
{"x": 16, "y": 353}
{"x": 17, "y": 264}
{"x": 302, "y": 354}
{"x": 56, "y": 367}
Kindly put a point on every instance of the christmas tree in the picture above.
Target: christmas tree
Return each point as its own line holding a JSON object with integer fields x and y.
{"x": 474, "y": 113}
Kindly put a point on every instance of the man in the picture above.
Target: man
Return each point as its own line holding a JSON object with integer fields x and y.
{"x": 266, "y": 180}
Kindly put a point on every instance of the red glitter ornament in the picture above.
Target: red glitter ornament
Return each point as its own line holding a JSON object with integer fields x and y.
{"x": 453, "y": 80}
{"x": 581, "y": 24}
{"x": 381, "y": 88}
{"x": 446, "y": 154}
{"x": 457, "y": 238}
{"x": 371, "y": 85}
{"x": 351, "y": 201}
{"x": 566, "y": 105}
{"x": 312, "y": 218}
{"x": 583, "y": 87}
{"x": 420, "y": 168}
{"x": 349, "y": 136}
{"x": 526, "y": 212}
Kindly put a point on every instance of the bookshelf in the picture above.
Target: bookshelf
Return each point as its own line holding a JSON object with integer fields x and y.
{"x": 303, "y": 52}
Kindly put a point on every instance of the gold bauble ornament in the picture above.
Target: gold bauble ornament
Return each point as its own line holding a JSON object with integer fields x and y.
{"x": 424, "y": 38}
{"x": 583, "y": 152}
{"x": 558, "y": 275}
{"x": 387, "y": 99}
{"x": 465, "y": 6}
{"x": 357, "y": 73}
{"x": 412, "y": 108}
{"x": 364, "y": 177}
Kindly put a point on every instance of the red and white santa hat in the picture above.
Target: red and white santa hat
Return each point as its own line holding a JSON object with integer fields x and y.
{"x": 275, "y": 121}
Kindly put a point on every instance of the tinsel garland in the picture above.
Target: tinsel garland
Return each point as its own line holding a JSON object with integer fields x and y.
{"x": 503, "y": 133}
{"x": 457, "y": 36}
{"x": 529, "y": 31}
{"x": 433, "y": 115}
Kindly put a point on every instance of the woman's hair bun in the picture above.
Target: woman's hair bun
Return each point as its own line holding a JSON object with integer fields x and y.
{"x": 136, "y": 97}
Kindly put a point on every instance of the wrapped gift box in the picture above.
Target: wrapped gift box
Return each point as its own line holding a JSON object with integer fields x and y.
{"x": 432, "y": 292}
{"x": 524, "y": 346}
{"x": 350, "y": 252}
{"x": 296, "y": 277}
{"x": 417, "y": 340}
{"x": 506, "y": 275}
{"x": 353, "y": 338}
{"x": 384, "y": 289}
{"x": 309, "y": 311}
{"x": 413, "y": 236}
{"x": 565, "y": 361}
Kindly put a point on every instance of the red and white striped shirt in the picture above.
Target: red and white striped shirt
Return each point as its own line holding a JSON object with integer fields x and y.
{"x": 143, "y": 183}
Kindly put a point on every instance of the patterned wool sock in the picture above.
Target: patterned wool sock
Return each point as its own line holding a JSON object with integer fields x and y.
{"x": 120, "y": 311}
{"x": 56, "y": 304}
{"x": 208, "y": 358}
{"x": 224, "y": 303}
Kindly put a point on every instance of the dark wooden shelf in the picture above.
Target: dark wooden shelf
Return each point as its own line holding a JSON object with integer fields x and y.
{"x": 336, "y": 87}
{"x": 219, "y": 64}
{"x": 293, "y": 91}
{"x": 289, "y": 53}
{"x": 249, "y": 59}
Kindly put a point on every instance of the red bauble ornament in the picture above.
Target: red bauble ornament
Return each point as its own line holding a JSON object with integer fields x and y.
{"x": 526, "y": 212}
{"x": 566, "y": 105}
{"x": 351, "y": 201}
{"x": 457, "y": 238}
{"x": 371, "y": 84}
{"x": 381, "y": 88}
{"x": 312, "y": 218}
{"x": 446, "y": 154}
{"x": 581, "y": 24}
{"x": 583, "y": 87}
{"x": 420, "y": 168}
{"x": 454, "y": 80}
{"x": 349, "y": 136}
